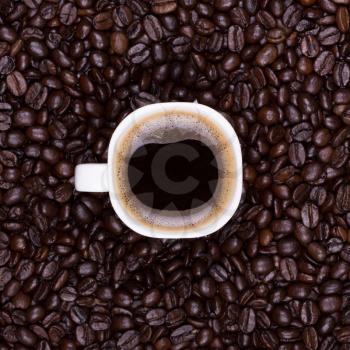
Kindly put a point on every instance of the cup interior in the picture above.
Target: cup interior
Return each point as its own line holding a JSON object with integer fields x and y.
{"x": 197, "y": 222}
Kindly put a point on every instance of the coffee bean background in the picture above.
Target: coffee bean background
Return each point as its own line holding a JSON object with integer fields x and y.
{"x": 72, "y": 276}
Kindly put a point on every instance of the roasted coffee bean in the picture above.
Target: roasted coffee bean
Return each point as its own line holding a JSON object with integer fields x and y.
{"x": 182, "y": 334}
{"x": 310, "y": 47}
{"x": 26, "y": 336}
{"x": 33, "y": 4}
{"x": 343, "y": 334}
{"x": 262, "y": 265}
{"x": 302, "y": 132}
{"x": 151, "y": 298}
{"x": 7, "y": 65}
{"x": 329, "y": 36}
{"x": 343, "y": 19}
{"x": 247, "y": 320}
{"x": 129, "y": 340}
{"x": 163, "y": 6}
{"x": 37, "y": 49}
{"x": 204, "y": 26}
{"x": 312, "y": 172}
{"x": 119, "y": 42}
{"x": 16, "y": 83}
{"x": 266, "y": 55}
{"x": 287, "y": 246}
{"x": 84, "y": 335}
{"x": 343, "y": 197}
{"x": 122, "y": 323}
{"x": 36, "y": 95}
{"x": 8, "y": 34}
{"x": 310, "y": 312}
{"x": 122, "y": 15}
{"x": 317, "y": 251}
{"x": 5, "y": 277}
{"x": 310, "y": 338}
{"x": 330, "y": 304}
{"x": 153, "y": 27}
{"x": 78, "y": 314}
{"x": 68, "y": 14}
{"x": 289, "y": 269}
{"x": 324, "y": 63}
{"x": 155, "y": 317}
{"x": 218, "y": 273}
{"x": 235, "y": 39}
{"x": 99, "y": 322}
{"x": 292, "y": 15}
{"x": 281, "y": 316}
{"x": 5, "y": 121}
{"x": 138, "y": 53}
{"x": 103, "y": 21}
{"x": 310, "y": 215}
{"x": 297, "y": 154}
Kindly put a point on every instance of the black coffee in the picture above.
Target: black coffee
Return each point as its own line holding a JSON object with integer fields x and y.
{"x": 173, "y": 176}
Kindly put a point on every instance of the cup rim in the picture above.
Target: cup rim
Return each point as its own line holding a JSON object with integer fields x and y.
{"x": 224, "y": 125}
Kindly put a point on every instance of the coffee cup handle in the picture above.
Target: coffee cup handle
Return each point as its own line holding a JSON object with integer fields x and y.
{"x": 91, "y": 177}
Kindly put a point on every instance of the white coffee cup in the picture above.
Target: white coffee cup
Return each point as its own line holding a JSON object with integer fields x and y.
{"x": 99, "y": 177}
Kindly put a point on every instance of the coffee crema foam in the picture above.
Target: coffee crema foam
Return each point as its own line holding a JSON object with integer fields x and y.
{"x": 170, "y": 127}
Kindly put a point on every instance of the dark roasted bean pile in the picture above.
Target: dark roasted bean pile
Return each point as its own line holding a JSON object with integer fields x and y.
{"x": 277, "y": 276}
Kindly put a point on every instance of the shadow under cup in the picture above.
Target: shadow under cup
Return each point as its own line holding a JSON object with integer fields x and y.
{"x": 171, "y": 127}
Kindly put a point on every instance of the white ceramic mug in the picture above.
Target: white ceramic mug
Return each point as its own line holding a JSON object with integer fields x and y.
{"x": 99, "y": 177}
